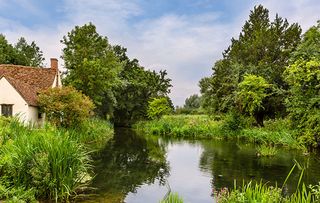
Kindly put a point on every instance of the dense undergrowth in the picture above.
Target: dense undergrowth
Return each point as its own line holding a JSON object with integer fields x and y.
{"x": 47, "y": 163}
{"x": 274, "y": 132}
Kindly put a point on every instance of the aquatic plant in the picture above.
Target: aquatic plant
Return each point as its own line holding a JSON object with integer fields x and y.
{"x": 264, "y": 193}
{"x": 265, "y": 150}
{"x": 172, "y": 198}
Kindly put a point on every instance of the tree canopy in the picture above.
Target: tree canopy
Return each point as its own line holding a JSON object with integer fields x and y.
{"x": 119, "y": 86}
{"x": 21, "y": 53}
{"x": 92, "y": 67}
{"x": 263, "y": 49}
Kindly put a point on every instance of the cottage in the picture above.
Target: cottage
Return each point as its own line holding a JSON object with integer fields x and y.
{"x": 19, "y": 86}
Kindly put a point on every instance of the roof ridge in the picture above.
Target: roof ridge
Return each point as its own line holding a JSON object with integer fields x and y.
{"x": 22, "y": 66}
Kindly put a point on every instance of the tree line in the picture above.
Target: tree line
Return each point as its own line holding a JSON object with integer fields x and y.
{"x": 119, "y": 87}
{"x": 270, "y": 71}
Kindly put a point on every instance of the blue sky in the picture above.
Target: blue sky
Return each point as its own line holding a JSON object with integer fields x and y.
{"x": 183, "y": 36}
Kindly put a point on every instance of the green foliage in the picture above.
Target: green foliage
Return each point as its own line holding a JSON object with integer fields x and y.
{"x": 204, "y": 127}
{"x": 65, "y": 106}
{"x": 137, "y": 87}
{"x": 173, "y": 198}
{"x": 309, "y": 47}
{"x": 234, "y": 121}
{"x": 192, "y": 105}
{"x": 29, "y": 54}
{"x": 304, "y": 100}
{"x": 20, "y": 54}
{"x": 263, "y": 49}
{"x": 263, "y": 193}
{"x": 92, "y": 66}
{"x": 159, "y": 107}
{"x": 251, "y": 94}
{"x": 265, "y": 150}
{"x": 192, "y": 102}
{"x": 47, "y": 163}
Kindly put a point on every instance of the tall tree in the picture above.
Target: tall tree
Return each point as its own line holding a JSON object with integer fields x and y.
{"x": 138, "y": 87}
{"x": 28, "y": 54}
{"x": 20, "y": 54}
{"x": 303, "y": 76}
{"x": 192, "y": 102}
{"x": 7, "y": 52}
{"x": 92, "y": 66}
{"x": 263, "y": 49}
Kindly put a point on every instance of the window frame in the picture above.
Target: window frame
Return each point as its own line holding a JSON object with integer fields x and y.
{"x": 7, "y": 110}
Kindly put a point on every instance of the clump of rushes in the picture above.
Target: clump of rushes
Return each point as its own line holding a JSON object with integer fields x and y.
{"x": 264, "y": 193}
{"x": 172, "y": 198}
{"x": 265, "y": 150}
{"x": 46, "y": 163}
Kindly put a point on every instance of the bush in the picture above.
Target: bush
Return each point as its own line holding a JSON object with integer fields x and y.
{"x": 234, "y": 121}
{"x": 65, "y": 106}
{"x": 159, "y": 107}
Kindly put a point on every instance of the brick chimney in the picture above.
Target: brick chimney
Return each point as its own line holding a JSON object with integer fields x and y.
{"x": 54, "y": 63}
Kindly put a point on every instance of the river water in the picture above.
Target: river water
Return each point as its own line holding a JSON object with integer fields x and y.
{"x": 136, "y": 169}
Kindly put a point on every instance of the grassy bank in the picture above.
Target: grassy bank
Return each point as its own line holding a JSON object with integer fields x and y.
{"x": 47, "y": 163}
{"x": 275, "y": 132}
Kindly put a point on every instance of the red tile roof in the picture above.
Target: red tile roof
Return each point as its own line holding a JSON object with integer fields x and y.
{"x": 28, "y": 81}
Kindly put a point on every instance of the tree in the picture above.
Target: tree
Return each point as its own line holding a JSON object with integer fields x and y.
{"x": 29, "y": 54}
{"x": 159, "y": 107}
{"x": 20, "y": 54}
{"x": 303, "y": 77}
{"x": 192, "y": 102}
{"x": 310, "y": 45}
{"x": 92, "y": 66}
{"x": 262, "y": 49}
{"x": 251, "y": 94}
{"x": 65, "y": 106}
{"x": 7, "y": 52}
{"x": 137, "y": 87}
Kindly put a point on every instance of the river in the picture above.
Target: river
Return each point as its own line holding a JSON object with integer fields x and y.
{"x": 136, "y": 169}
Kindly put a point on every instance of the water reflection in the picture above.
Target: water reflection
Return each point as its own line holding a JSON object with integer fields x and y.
{"x": 127, "y": 162}
{"x": 135, "y": 168}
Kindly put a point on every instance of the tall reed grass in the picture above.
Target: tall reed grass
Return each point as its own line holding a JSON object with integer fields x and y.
{"x": 264, "y": 193}
{"x": 46, "y": 163}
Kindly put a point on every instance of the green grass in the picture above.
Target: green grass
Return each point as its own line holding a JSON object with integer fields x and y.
{"x": 263, "y": 193}
{"x": 264, "y": 150}
{"x": 47, "y": 163}
{"x": 275, "y": 132}
{"x": 172, "y": 198}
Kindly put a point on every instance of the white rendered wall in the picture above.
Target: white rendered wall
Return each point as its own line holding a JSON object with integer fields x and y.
{"x": 33, "y": 115}
{"x": 9, "y": 95}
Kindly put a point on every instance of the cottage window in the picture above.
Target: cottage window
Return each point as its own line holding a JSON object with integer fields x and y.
{"x": 6, "y": 110}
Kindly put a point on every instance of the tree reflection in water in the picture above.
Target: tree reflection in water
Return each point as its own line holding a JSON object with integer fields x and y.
{"x": 229, "y": 161}
{"x": 127, "y": 162}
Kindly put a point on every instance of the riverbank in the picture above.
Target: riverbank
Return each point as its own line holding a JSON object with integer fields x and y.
{"x": 47, "y": 163}
{"x": 275, "y": 132}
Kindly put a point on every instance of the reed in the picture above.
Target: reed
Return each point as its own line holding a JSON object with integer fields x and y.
{"x": 47, "y": 163}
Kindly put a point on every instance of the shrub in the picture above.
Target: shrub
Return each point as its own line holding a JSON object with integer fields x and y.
{"x": 234, "y": 121}
{"x": 65, "y": 106}
{"x": 159, "y": 107}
